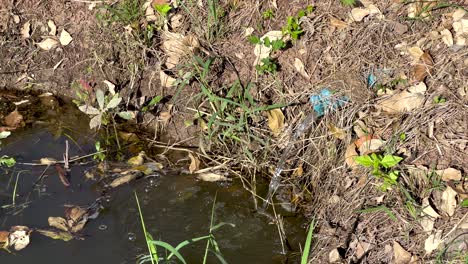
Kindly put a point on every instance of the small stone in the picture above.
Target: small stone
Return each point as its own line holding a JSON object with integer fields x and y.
{"x": 399, "y": 28}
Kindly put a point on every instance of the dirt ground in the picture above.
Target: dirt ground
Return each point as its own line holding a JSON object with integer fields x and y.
{"x": 422, "y": 218}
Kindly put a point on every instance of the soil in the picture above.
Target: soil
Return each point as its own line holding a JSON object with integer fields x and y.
{"x": 340, "y": 59}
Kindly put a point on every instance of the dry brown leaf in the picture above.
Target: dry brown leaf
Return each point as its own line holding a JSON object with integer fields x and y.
{"x": 65, "y": 38}
{"x": 358, "y": 14}
{"x": 433, "y": 242}
{"x": 177, "y": 46}
{"x": 362, "y": 248}
{"x": 338, "y": 23}
{"x": 14, "y": 119}
{"x": 211, "y": 177}
{"x": 449, "y": 174}
{"x": 334, "y": 256}
{"x": 336, "y": 131}
{"x": 299, "y": 66}
{"x": 76, "y": 218}
{"x": 415, "y": 52}
{"x": 48, "y": 44}
{"x": 122, "y": 180}
{"x": 248, "y": 31}
{"x": 350, "y": 155}
{"x": 165, "y": 116}
{"x": 458, "y": 14}
{"x": 361, "y": 129}
{"x": 194, "y": 163}
{"x": 177, "y": 21}
{"x": 150, "y": 14}
{"x": 449, "y": 201}
{"x": 19, "y": 237}
{"x": 371, "y": 146}
{"x": 427, "y": 224}
{"x": 4, "y": 239}
{"x": 25, "y": 30}
{"x": 428, "y": 210}
{"x": 421, "y": 71}
{"x": 275, "y": 121}
{"x": 298, "y": 172}
{"x": 447, "y": 37}
{"x": 400, "y": 255}
{"x": 52, "y": 27}
{"x": 404, "y": 101}
{"x": 166, "y": 80}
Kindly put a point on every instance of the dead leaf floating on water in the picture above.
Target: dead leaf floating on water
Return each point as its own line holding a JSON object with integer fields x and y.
{"x": 58, "y": 222}
{"x": 4, "y": 243}
{"x": 14, "y": 119}
{"x": 65, "y": 38}
{"x": 19, "y": 237}
{"x": 137, "y": 160}
{"x": 59, "y": 235}
{"x": 211, "y": 177}
{"x": 124, "y": 179}
{"x": 275, "y": 121}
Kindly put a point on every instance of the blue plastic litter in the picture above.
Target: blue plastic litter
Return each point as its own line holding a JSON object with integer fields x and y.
{"x": 371, "y": 80}
{"x": 325, "y": 101}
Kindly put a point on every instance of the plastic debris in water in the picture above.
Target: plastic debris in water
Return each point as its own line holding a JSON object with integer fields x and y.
{"x": 326, "y": 101}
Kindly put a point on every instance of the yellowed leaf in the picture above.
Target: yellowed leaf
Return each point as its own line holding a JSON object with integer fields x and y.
{"x": 336, "y": 131}
{"x": 137, "y": 160}
{"x": 211, "y": 177}
{"x": 275, "y": 121}
{"x": 59, "y": 235}
{"x": 298, "y": 172}
{"x": 48, "y": 161}
{"x": 58, "y": 222}
{"x": 122, "y": 180}
{"x": 194, "y": 163}
{"x": 4, "y": 243}
{"x": 415, "y": 52}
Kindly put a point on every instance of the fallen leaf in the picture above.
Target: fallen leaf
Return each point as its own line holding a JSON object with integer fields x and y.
{"x": 110, "y": 86}
{"x": 371, "y": 146}
{"x": 338, "y": 23}
{"x": 362, "y": 248}
{"x": 261, "y": 51}
{"x": 427, "y": 209}
{"x": 25, "y": 30}
{"x": 194, "y": 163}
{"x": 148, "y": 168}
{"x": 433, "y": 242}
{"x": 299, "y": 66}
{"x": 449, "y": 201}
{"x": 14, "y": 119}
{"x": 166, "y": 80}
{"x": 298, "y": 172}
{"x": 150, "y": 14}
{"x": 447, "y": 37}
{"x": 458, "y": 14}
{"x": 211, "y": 177}
{"x": 427, "y": 224}
{"x": 177, "y": 21}
{"x": 19, "y": 237}
{"x": 415, "y": 52}
{"x": 4, "y": 243}
{"x": 334, "y": 256}
{"x": 165, "y": 116}
{"x": 350, "y": 155}
{"x": 177, "y": 46}
{"x": 76, "y": 218}
{"x": 358, "y": 14}
{"x": 65, "y": 38}
{"x": 400, "y": 255}
{"x": 59, "y": 235}
{"x": 449, "y": 174}
{"x": 52, "y": 27}
{"x": 248, "y": 31}
{"x": 336, "y": 131}
{"x": 361, "y": 129}
{"x": 404, "y": 101}
{"x": 122, "y": 180}
{"x": 58, "y": 222}
{"x": 421, "y": 71}
{"x": 358, "y": 142}
{"x": 275, "y": 121}
{"x": 48, "y": 44}
{"x": 137, "y": 160}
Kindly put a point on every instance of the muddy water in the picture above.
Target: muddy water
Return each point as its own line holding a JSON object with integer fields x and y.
{"x": 175, "y": 207}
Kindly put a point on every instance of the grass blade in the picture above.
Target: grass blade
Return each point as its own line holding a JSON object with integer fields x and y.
{"x": 305, "y": 254}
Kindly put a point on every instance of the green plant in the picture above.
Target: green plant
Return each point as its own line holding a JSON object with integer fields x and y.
{"x": 308, "y": 243}
{"x": 268, "y": 14}
{"x": 293, "y": 28}
{"x": 268, "y": 65}
{"x": 381, "y": 167}
{"x": 348, "y": 2}
{"x": 127, "y": 12}
{"x": 102, "y": 114}
{"x": 175, "y": 251}
{"x": 381, "y": 208}
{"x": 438, "y": 100}
{"x": 163, "y": 9}
{"x": 152, "y": 103}
{"x": 5, "y": 160}
{"x": 100, "y": 156}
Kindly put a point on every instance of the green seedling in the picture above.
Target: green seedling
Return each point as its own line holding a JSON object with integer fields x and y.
{"x": 439, "y": 100}
{"x": 269, "y": 66}
{"x": 402, "y": 137}
{"x": 100, "y": 156}
{"x": 100, "y": 116}
{"x": 293, "y": 28}
{"x": 268, "y": 14}
{"x": 163, "y": 9}
{"x": 381, "y": 167}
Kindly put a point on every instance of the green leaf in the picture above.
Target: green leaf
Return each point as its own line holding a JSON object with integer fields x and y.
{"x": 267, "y": 42}
{"x": 365, "y": 161}
{"x": 163, "y": 9}
{"x": 254, "y": 39}
{"x": 170, "y": 249}
{"x": 4, "y": 134}
{"x": 127, "y": 115}
{"x": 308, "y": 243}
{"x": 100, "y": 98}
{"x": 389, "y": 161}
{"x": 464, "y": 203}
{"x": 7, "y": 161}
{"x": 348, "y": 2}
{"x": 114, "y": 102}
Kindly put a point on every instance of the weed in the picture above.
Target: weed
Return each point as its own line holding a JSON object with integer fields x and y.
{"x": 269, "y": 66}
{"x": 100, "y": 156}
{"x": 293, "y": 28}
{"x": 127, "y": 12}
{"x": 268, "y": 14}
{"x": 308, "y": 243}
{"x": 163, "y": 9}
{"x": 381, "y": 167}
{"x": 381, "y": 208}
{"x": 438, "y": 100}
{"x": 348, "y": 2}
